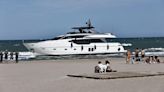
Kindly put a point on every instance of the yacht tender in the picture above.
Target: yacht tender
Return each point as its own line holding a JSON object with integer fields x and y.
{"x": 84, "y": 40}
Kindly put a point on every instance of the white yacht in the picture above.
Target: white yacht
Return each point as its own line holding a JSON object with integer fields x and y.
{"x": 82, "y": 41}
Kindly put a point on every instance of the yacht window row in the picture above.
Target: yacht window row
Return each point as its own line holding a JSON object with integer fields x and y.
{"x": 87, "y": 41}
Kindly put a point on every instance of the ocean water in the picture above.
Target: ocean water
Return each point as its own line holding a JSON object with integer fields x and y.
{"x": 14, "y": 45}
{"x": 141, "y": 43}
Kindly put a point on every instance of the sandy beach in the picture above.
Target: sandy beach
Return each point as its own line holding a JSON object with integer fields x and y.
{"x": 50, "y": 76}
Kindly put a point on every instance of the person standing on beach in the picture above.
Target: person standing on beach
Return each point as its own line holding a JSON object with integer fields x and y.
{"x": 1, "y": 57}
{"x": 128, "y": 56}
{"x": 6, "y": 55}
{"x": 11, "y": 55}
{"x": 137, "y": 54}
{"x": 142, "y": 54}
{"x": 16, "y": 57}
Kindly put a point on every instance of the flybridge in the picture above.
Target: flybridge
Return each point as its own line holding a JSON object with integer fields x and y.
{"x": 89, "y": 28}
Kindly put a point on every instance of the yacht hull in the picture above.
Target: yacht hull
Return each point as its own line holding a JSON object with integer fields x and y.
{"x": 68, "y": 48}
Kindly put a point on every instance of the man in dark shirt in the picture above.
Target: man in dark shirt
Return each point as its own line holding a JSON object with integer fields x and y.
{"x": 1, "y": 57}
{"x": 16, "y": 57}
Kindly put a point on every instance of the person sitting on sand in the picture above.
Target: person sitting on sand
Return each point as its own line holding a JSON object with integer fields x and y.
{"x": 108, "y": 68}
{"x": 152, "y": 60}
{"x": 147, "y": 60}
{"x": 157, "y": 59}
{"x": 98, "y": 67}
{"x": 102, "y": 67}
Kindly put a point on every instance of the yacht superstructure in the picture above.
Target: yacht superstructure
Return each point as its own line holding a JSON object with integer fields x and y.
{"x": 84, "y": 40}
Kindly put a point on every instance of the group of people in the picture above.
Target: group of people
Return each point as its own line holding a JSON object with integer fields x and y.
{"x": 8, "y": 56}
{"x": 136, "y": 57}
{"x": 100, "y": 68}
{"x": 139, "y": 56}
{"x": 152, "y": 59}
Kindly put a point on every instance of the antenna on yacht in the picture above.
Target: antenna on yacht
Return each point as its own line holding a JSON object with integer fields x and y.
{"x": 89, "y": 23}
{"x": 88, "y": 27}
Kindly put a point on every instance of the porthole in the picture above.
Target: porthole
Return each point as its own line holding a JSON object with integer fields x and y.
{"x": 82, "y": 48}
{"x": 94, "y": 46}
{"x": 92, "y": 49}
{"x": 119, "y": 49}
{"x": 89, "y": 49}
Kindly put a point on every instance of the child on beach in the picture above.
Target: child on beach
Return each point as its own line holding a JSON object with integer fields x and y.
{"x": 132, "y": 60}
{"x": 128, "y": 56}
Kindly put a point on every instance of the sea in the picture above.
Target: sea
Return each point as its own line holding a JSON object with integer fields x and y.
{"x": 152, "y": 43}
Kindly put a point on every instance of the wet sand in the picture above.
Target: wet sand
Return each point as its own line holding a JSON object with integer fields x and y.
{"x": 50, "y": 76}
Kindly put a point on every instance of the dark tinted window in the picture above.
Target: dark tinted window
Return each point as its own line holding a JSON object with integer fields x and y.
{"x": 85, "y": 41}
{"x": 80, "y": 36}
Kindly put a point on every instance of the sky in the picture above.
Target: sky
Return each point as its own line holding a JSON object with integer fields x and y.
{"x": 44, "y": 19}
